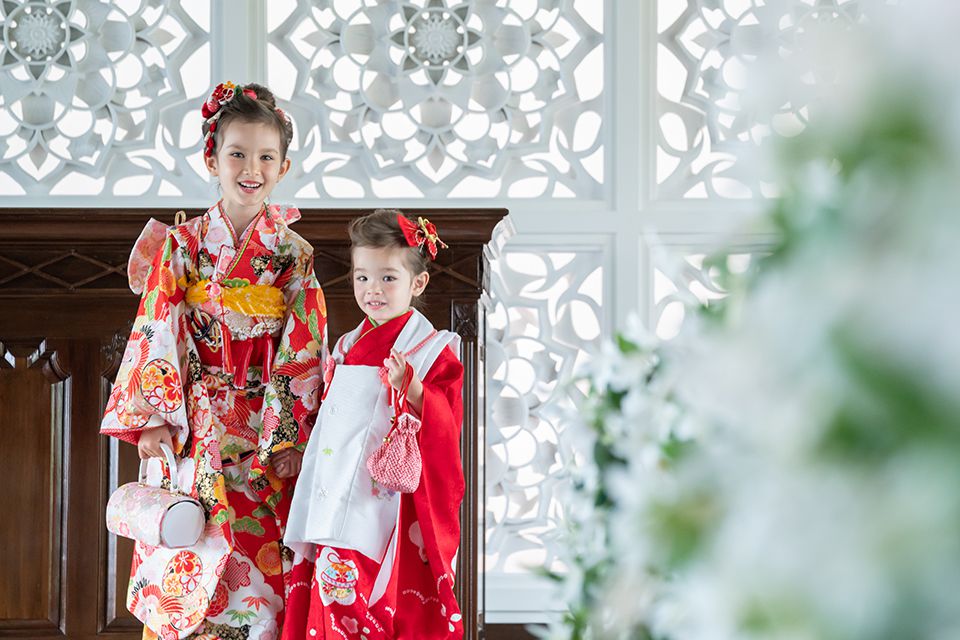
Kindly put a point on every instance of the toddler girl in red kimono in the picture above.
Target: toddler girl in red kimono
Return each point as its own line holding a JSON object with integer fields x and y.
{"x": 372, "y": 562}
{"x": 222, "y": 365}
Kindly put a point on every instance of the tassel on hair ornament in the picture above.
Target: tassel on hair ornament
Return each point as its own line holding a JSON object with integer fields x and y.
{"x": 422, "y": 234}
{"x": 212, "y": 110}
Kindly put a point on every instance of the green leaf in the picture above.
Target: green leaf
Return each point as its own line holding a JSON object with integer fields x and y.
{"x": 249, "y": 525}
{"x": 299, "y": 306}
{"x": 241, "y": 616}
{"x": 150, "y": 302}
{"x": 314, "y": 325}
{"x": 625, "y": 345}
{"x": 262, "y": 512}
{"x": 236, "y": 283}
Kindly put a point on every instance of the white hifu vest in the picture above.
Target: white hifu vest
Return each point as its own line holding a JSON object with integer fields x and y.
{"x": 336, "y": 502}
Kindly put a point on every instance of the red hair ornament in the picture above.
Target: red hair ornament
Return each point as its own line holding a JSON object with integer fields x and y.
{"x": 422, "y": 234}
{"x": 222, "y": 94}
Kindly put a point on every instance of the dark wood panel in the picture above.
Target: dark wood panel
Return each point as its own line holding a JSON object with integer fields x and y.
{"x": 32, "y": 396}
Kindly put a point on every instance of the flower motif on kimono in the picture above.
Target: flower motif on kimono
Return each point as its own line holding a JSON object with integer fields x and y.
{"x": 199, "y": 414}
{"x": 304, "y": 388}
{"x": 221, "y": 598}
{"x": 214, "y": 290}
{"x": 379, "y": 492}
{"x": 268, "y": 237}
{"x": 182, "y": 574}
{"x": 221, "y": 406}
{"x": 168, "y": 283}
{"x": 217, "y": 235}
{"x": 160, "y": 386}
{"x": 236, "y": 574}
{"x": 337, "y": 579}
{"x": 268, "y": 559}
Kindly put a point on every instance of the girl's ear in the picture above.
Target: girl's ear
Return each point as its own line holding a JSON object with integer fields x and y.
{"x": 420, "y": 282}
{"x": 211, "y": 162}
{"x": 284, "y": 167}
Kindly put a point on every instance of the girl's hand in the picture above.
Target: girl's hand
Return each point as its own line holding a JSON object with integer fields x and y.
{"x": 396, "y": 366}
{"x": 150, "y": 440}
{"x": 287, "y": 463}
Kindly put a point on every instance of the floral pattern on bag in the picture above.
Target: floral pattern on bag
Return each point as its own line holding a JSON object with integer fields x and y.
{"x": 136, "y": 511}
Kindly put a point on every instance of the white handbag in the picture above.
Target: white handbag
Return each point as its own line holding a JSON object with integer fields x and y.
{"x": 153, "y": 515}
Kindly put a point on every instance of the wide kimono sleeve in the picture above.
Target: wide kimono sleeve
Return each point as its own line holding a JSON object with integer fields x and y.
{"x": 291, "y": 397}
{"x": 428, "y": 568}
{"x": 149, "y": 389}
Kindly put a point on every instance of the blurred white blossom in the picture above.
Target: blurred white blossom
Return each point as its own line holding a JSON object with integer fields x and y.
{"x": 789, "y": 467}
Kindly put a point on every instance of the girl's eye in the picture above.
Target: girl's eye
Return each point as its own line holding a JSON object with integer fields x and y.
{"x": 236, "y": 154}
{"x": 266, "y": 158}
{"x": 361, "y": 278}
{"x": 389, "y": 278}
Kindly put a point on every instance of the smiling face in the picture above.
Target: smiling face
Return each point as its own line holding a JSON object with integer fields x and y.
{"x": 382, "y": 282}
{"x": 248, "y": 163}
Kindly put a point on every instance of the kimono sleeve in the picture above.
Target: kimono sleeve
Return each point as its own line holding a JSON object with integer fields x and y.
{"x": 149, "y": 389}
{"x": 436, "y": 503}
{"x": 291, "y": 397}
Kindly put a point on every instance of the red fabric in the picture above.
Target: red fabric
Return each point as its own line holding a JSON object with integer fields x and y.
{"x": 419, "y": 602}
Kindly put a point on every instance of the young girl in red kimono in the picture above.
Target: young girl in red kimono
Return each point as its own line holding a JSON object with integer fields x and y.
{"x": 372, "y": 562}
{"x": 222, "y": 365}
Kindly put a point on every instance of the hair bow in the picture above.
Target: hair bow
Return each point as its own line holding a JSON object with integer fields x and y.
{"x": 422, "y": 234}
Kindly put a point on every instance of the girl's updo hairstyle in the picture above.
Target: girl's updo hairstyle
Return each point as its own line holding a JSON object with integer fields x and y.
{"x": 262, "y": 109}
{"x": 380, "y": 230}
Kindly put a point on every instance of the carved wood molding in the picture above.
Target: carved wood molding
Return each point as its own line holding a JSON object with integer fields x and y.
{"x": 7, "y": 359}
{"x": 464, "y": 319}
{"x": 120, "y": 227}
{"x": 112, "y": 349}
{"x": 48, "y": 360}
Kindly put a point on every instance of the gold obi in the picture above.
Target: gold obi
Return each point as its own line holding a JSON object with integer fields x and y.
{"x": 255, "y": 300}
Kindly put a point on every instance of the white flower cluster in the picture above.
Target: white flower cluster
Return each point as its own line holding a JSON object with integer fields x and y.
{"x": 823, "y": 501}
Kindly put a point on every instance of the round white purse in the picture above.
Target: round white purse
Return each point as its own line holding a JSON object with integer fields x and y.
{"x": 153, "y": 515}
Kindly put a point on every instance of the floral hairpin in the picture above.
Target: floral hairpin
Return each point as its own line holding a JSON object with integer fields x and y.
{"x": 422, "y": 234}
{"x": 212, "y": 110}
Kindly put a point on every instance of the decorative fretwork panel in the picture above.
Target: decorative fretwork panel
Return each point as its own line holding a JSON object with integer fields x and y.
{"x": 100, "y": 98}
{"x": 438, "y": 98}
{"x": 69, "y": 270}
{"x": 686, "y": 278}
{"x": 545, "y": 318}
{"x": 708, "y": 115}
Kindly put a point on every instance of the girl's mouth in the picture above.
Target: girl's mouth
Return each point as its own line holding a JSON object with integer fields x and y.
{"x": 250, "y": 187}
